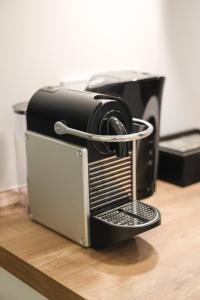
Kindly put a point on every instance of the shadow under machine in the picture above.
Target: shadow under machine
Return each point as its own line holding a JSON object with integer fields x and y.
{"x": 81, "y": 161}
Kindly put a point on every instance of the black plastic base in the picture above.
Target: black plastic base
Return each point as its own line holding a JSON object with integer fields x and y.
{"x": 104, "y": 234}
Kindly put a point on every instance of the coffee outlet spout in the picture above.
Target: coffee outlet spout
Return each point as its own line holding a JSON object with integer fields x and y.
{"x": 116, "y": 127}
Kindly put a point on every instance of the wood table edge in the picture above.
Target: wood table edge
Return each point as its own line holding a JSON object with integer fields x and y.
{"x": 36, "y": 279}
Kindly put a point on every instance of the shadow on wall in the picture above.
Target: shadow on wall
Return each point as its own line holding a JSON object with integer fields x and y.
{"x": 181, "y": 20}
{"x": 3, "y": 155}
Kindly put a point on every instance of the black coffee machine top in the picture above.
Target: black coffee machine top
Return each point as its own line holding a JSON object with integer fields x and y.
{"x": 142, "y": 92}
{"x": 81, "y": 161}
{"x": 94, "y": 113}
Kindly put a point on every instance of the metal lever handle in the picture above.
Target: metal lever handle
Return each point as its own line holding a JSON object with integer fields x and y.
{"x": 60, "y": 128}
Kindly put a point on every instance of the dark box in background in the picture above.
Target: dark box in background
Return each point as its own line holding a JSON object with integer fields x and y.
{"x": 179, "y": 158}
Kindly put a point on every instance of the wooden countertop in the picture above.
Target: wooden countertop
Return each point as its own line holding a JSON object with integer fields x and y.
{"x": 163, "y": 263}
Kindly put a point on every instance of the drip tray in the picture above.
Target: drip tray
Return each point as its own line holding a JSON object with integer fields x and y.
{"x": 136, "y": 214}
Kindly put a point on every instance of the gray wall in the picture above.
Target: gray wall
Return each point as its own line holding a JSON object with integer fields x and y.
{"x": 11, "y": 288}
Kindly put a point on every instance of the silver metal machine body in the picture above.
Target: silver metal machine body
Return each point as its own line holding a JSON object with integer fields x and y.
{"x": 62, "y": 199}
{"x": 58, "y": 199}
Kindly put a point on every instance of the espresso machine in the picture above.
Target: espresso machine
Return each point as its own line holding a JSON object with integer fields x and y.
{"x": 142, "y": 92}
{"x": 81, "y": 162}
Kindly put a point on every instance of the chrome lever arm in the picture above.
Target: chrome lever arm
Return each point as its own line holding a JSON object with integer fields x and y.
{"x": 60, "y": 128}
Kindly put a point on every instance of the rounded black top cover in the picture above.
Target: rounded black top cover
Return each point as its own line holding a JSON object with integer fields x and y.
{"x": 85, "y": 111}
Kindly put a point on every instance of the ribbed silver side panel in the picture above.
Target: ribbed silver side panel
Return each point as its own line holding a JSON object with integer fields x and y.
{"x": 110, "y": 180}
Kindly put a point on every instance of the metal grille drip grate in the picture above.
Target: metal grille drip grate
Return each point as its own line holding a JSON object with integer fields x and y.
{"x": 110, "y": 180}
{"x": 128, "y": 215}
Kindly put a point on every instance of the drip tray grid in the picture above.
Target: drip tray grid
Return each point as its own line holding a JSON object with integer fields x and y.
{"x": 133, "y": 214}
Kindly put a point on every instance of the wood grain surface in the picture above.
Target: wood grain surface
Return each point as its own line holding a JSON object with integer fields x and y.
{"x": 163, "y": 263}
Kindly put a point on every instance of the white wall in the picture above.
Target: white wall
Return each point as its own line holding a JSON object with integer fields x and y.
{"x": 43, "y": 41}
{"x": 11, "y": 288}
